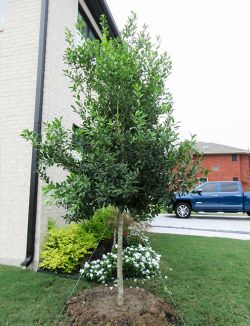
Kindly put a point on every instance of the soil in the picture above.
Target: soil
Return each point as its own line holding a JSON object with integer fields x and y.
{"x": 97, "y": 306}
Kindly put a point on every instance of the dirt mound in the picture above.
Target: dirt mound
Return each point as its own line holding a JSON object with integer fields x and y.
{"x": 97, "y": 306}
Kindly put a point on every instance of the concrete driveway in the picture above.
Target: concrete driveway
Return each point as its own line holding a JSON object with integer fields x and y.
{"x": 208, "y": 225}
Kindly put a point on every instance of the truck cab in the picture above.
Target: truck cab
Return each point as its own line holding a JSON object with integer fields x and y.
{"x": 217, "y": 196}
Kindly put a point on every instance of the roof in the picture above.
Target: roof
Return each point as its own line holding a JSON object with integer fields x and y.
{"x": 98, "y": 8}
{"x": 213, "y": 148}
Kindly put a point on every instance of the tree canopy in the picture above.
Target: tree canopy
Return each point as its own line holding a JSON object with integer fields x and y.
{"x": 126, "y": 150}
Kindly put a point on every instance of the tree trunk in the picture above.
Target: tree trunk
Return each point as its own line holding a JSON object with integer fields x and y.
{"x": 115, "y": 230}
{"x": 119, "y": 260}
{"x": 114, "y": 238}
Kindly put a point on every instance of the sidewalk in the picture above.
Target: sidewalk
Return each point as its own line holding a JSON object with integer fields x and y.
{"x": 233, "y": 226}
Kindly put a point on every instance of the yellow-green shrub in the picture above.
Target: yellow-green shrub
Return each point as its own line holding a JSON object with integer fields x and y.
{"x": 65, "y": 248}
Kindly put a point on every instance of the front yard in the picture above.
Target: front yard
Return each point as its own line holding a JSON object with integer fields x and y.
{"x": 208, "y": 284}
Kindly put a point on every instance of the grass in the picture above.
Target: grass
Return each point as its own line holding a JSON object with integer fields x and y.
{"x": 208, "y": 279}
{"x": 32, "y": 299}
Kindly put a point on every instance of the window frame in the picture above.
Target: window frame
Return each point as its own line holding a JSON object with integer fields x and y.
{"x": 215, "y": 168}
{"x": 88, "y": 22}
{"x": 234, "y": 157}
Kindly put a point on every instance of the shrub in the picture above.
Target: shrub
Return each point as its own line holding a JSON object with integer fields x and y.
{"x": 102, "y": 224}
{"x": 65, "y": 248}
{"x": 135, "y": 237}
{"x": 138, "y": 262}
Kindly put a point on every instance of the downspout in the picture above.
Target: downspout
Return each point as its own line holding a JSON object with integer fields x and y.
{"x": 30, "y": 246}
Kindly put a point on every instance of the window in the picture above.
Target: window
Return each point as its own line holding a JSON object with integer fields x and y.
{"x": 208, "y": 187}
{"x": 229, "y": 187}
{"x": 215, "y": 168}
{"x": 235, "y": 178}
{"x": 234, "y": 157}
{"x": 88, "y": 30}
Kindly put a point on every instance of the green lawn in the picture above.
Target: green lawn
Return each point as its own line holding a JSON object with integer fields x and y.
{"x": 29, "y": 299}
{"x": 210, "y": 278}
{"x": 209, "y": 282}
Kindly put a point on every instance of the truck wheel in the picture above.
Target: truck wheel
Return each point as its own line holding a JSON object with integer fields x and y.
{"x": 248, "y": 213}
{"x": 182, "y": 210}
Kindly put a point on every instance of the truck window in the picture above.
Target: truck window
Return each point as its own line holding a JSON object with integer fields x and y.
{"x": 208, "y": 187}
{"x": 229, "y": 187}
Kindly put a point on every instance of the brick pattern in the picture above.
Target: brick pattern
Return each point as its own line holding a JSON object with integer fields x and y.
{"x": 57, "y": 99}
{"x": 227, "y": 169}
{"x": 18, "y": 67}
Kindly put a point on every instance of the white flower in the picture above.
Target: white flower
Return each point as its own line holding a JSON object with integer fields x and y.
{"x": 76, "y": 155}
{"x": 140, "y": 258}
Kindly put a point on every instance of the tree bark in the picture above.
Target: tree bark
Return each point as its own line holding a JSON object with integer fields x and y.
{"x": 115, "y": 231}
{"x": 114, "y": 238}
{"x": 119, "y": 260}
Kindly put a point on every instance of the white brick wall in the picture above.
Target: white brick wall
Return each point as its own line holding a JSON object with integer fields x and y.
{"x": 18, "y": 67}
{"x": 57, "y": 99}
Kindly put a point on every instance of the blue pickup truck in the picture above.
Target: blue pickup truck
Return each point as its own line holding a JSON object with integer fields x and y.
{"x": 219, "y": 196}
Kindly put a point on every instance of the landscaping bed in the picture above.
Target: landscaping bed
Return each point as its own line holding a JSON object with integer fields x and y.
{"x": 98, "y": 307}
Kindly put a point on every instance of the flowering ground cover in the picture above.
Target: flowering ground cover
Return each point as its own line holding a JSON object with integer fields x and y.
{"x": 138, "y": 262}
{"x": 207, "y": 282}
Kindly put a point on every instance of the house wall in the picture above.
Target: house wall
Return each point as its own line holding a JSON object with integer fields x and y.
{"x": 19, "y": 41}
{"x": 245, "y": 171}
{"x": 227, "y": 169}
{"x": 18, "y": 67}
{"x": 57, "y": 98}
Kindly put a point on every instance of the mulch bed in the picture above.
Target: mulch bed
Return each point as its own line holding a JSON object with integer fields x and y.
{"x": 97, "y": 306}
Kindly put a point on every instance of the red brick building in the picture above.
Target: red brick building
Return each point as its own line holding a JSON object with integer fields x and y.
{"x": 225, "y": 163}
